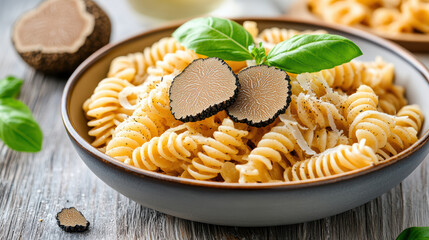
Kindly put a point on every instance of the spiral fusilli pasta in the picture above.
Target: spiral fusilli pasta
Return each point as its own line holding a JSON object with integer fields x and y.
{"x": 351, "y": 75}
{"x": 323, "y": 139}
{"x": 169, "y": 152}
{"x": 340, "y": 159}
{"x": 391, "y": 99}
{"x": 278, "y": 35}
{"x": 151, "y": 118}
{"x": 408, "y": 122}
{"x": 172, "y": 63}
{"x": 313, "y": 112}
{"x": 373, "y": 126}
{"x": 226, "y": 144}
{"x": 411, "y": 116}
{"x": 133, "y": 67}
{"x": 274, "y": 147}
{"x": 104, "y": 111}
{"x": 363, "y": 99}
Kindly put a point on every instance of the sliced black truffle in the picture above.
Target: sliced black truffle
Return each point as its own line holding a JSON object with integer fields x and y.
{"x": 204, "y": 88}
{"x": 71, "y": 220}
{"x": 264, "y": 94}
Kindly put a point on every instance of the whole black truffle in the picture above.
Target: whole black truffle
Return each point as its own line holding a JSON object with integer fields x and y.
{"x": 58, "y": 35}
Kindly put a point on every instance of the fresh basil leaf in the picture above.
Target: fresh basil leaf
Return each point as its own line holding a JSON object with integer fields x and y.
{"x": 312, "y": 53}
{"x": 415, "y": 233}
{"x": 10, "y": 87}
{"x": 216, "y": 37}
{"x": 18, "y": 129}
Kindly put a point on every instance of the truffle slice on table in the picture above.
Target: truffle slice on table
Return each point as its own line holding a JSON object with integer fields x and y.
{"x": 264, "y": 94}
{"x": 58, "y": 35}
{"x": 204, "y": 88}
{"x": 71, "y": 220}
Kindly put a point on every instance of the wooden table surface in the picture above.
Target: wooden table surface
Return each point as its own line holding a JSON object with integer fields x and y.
{"x": 34, "y": 187}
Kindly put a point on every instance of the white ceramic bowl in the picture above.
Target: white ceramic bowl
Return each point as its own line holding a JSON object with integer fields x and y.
{"x": 249, "y": 204}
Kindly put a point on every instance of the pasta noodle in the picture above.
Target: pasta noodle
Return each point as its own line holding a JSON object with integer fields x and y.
{"x": 251, "y": 27}
{"x": 277, "y": 35}
{"x": 104, "y": 111}
{"x": 172, "y": 63}
{"x": 313, "y": 112}
{"x": 275, "y": 147}
{"x": 413, "y": 117}
{"x": 373, "y": 126}
{"x": 133, "y": 67}
{"x": 339, "y": 120}
{"x": 404, "y": 133}
{"x": 345, "y": 12}
{"x": 226, "y": 144}
{"x": 151, "y": 118}
{"x": 363, "y": 100}
{"x": 322, "y": 139}
{"x": 391, "y": 99}
{"x": 334, "y": 161}
{"x": 351, "y": 75}
{"x": 166, "y": 152}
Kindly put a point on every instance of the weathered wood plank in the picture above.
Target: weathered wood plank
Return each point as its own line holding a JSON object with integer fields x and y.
{"x": 34, "y": 187}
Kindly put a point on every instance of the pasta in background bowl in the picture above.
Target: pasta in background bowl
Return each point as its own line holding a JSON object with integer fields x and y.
{"x": 405, "y": 22}
{"x": 247, "y": 204}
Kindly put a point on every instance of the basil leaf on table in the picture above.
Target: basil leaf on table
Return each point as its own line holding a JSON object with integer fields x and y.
{"x": 415, "y": 233}
{"x": 10, "y": 87}
{"x": 216, "y": 37}
{"x": 18, "y": 129}
{"x": 312, "y": 53}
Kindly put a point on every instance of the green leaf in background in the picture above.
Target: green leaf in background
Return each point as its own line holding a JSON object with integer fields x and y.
{"x": 414, "y": 233}
{"x": 18, "y": 129}
{"x": 312, "y": 53}
{"x": 216, "y": 37}
{"x": 10, "y": 87}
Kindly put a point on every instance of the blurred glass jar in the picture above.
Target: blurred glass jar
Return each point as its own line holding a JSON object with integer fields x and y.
{"x": 174, "y": 9}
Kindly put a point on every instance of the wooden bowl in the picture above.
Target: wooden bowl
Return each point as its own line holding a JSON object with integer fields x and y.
{"x": 247, "y": 204}
{"x": 412, "y": 41}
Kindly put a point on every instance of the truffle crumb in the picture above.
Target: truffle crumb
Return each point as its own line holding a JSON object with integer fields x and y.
{"x": 71, "y": 220}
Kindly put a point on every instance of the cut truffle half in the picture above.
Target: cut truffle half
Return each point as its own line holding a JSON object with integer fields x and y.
{"x": 264, "y": 94}
{"x": 58, "y": 35}
{"x": 204, "y": 88}
{"x": 71, "y": 220}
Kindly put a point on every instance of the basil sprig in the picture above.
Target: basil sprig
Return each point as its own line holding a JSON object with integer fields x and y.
{"x": 18, "y": 129}
{"x": 226, "y": 39}
{"x": 415, "y": 233}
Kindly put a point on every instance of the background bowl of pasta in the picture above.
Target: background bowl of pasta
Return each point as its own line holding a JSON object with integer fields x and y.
{"x": 336, "y": 175}
{"x": 404, "y": 22}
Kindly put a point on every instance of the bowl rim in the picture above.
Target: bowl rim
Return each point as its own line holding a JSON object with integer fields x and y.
{"x": 102, "y": 157}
